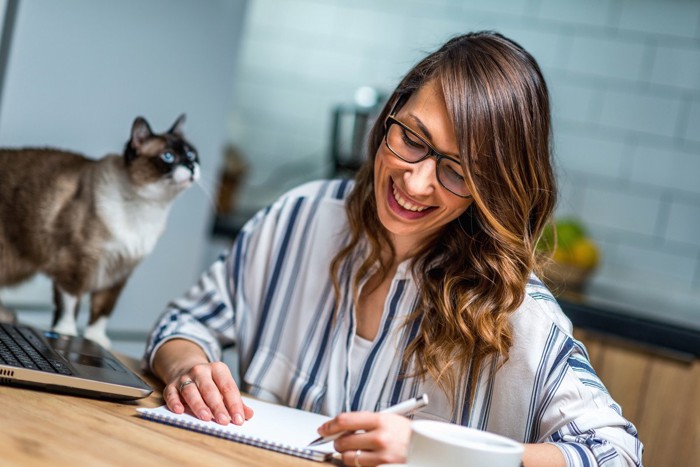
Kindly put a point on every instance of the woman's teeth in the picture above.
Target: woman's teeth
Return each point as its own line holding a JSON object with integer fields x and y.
{"x": 407, "y": 204}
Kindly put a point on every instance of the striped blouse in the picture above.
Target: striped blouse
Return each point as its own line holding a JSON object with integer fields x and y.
{"x": 272, "y": 297}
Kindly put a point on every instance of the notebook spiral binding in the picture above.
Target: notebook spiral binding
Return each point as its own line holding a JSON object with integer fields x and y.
{"x": 237, "y": 437}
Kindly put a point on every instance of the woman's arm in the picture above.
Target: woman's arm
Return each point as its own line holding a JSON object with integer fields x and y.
{"x": 543, "y": 455}
{"x": 579, "y": 417}
{"x": 184, "y": 350}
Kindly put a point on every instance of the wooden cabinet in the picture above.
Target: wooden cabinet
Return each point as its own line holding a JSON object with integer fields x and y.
{"x": 660, "y": 394}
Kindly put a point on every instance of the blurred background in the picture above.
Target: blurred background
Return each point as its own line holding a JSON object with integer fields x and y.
{"x": 624, "y": 76}
{"x": 278, "y": 92}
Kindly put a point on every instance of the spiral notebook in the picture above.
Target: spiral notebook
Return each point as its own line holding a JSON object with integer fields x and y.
{"x": 274, "y": 427}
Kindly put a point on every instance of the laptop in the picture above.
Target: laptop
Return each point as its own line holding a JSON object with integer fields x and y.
{"x": 54, "y": 362}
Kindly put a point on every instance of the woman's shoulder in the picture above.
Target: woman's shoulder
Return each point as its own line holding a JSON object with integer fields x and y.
{"x": 335, "y": 189}
{"x": 320, "y": 201}
{"x": 540, "y": 331}
{"x": 539, "y": 311}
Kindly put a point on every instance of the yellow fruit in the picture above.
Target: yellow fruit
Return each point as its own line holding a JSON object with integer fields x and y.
{"x": 584, "y": 253}
{"x": 561, "y": 256}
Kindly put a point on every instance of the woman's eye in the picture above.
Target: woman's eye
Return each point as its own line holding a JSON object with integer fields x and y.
{"x": 453, "y": 174}
{"x": 167, "y": 157}
{"x": 411, "y": 140}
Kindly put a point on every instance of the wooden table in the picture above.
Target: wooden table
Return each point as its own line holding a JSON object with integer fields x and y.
{"x": 45, "y": 429}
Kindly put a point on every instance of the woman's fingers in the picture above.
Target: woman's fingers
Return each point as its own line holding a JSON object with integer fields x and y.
{"x": 379, "y": 438}
{"x": 350, "y": 421}
{"x": 190, "y": 392}
{"x": 366, "y": 440}
{"x": 210, "y": 392}
{"x": 360, "y": 457}
{"x": 231, "y": 397}
{"x": 214, "y": 400}
{"x": 172, "y": 398}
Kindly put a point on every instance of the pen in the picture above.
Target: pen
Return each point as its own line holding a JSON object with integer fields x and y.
{"x": 402, "y": 408}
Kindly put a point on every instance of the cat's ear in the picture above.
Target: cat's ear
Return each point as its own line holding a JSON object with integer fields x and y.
{"x": 140, "y": 132}
{"x": 177, "y": 126}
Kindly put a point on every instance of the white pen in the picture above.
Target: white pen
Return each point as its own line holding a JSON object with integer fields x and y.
{"x": 402, "y": 408}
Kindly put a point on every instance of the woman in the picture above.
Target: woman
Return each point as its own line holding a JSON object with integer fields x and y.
{"x": 348, "y": 298}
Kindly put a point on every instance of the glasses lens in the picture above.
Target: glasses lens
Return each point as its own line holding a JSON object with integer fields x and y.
{"x": 450, "y": 174}
{"x": 406, "y": 144}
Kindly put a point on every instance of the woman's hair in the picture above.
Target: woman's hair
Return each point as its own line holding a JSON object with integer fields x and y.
{"x": 473, "y": 275}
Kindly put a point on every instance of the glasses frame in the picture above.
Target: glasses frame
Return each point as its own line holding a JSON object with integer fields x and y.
{"x": 432, "y": 152}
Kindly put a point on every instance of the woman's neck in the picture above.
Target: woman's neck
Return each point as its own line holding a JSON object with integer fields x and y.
{"x": 404, "y": 248}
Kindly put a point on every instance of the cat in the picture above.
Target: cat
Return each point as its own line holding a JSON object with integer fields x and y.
{"x": 86, "y": 223}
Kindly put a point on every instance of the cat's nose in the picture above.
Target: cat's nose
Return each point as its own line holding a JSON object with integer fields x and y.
{"x": 191, "y": 167}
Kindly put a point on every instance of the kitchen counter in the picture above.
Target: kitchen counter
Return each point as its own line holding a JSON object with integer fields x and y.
{"x": 625, "y": 322}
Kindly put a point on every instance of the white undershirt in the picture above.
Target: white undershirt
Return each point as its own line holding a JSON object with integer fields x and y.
{"x": 358, "y": 355}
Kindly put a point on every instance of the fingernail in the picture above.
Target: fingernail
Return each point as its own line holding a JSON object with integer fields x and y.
{"x": 238, "y": 419}
{"x": 204, "y": 415}
{"x": 223, "y": 419}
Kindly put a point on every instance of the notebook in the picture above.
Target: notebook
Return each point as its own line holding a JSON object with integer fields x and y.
{"x": 274, "y": 427}
{"x": 54, "y": 362}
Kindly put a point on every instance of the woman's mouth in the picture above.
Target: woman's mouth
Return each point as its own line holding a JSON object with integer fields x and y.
{"x": 404, "y": 207}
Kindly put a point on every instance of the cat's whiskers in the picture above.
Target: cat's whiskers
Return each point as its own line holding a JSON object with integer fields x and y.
{"x": 207, "y": 194}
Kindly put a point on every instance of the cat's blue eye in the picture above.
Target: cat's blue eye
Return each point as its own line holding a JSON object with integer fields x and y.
{"x": 191, "y": 155}
{"x": 167, "y": 157}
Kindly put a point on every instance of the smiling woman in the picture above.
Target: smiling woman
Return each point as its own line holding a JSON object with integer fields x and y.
{"x": 482, "y": 99}
{"x": 433, "y": 288}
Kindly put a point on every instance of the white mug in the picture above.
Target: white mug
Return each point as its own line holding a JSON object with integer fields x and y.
{"x": 448, "y": 445}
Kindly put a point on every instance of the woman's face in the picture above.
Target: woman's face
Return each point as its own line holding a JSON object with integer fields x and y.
{"x": 412, "y": 205}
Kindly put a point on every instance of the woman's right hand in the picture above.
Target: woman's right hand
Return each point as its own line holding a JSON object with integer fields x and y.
{"x": 207, "y": 388}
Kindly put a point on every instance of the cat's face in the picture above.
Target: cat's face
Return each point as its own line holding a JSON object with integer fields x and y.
{"x": 160, "y": 165}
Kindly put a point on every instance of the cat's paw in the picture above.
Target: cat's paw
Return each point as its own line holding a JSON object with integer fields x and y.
{"x": 69, "y": 329}
{"x": 98, "y": 335}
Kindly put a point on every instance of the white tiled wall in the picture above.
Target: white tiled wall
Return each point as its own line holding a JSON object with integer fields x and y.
{"x": 625, "y": 81}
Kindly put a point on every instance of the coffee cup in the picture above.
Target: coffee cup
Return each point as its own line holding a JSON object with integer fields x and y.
{"x": 447, "y": 445}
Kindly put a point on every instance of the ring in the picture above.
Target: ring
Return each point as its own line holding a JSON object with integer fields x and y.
{"x": 183, "y": 384}
{"x": 357, "y": 458}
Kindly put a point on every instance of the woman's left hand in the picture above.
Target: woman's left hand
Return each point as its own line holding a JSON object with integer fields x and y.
{"x": 384, "y": 441}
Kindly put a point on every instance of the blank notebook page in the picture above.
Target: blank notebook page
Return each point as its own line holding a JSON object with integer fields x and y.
{"x": 275, "y": 427}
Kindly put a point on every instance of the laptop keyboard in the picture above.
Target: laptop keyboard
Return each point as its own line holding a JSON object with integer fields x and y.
{"x": 21, "y": 348}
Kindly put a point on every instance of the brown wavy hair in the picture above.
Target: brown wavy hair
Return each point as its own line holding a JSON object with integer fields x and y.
{"x": 473, "y": 275}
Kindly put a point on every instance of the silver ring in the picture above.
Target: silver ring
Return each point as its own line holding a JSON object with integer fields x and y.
{"x": 183, "y": 384}
{"x": 357, "y": 458}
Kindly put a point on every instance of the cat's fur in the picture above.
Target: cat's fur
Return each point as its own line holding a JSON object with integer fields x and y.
{"x": 87, "y": 223}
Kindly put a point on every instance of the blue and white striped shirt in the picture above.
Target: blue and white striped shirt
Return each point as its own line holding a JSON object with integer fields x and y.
{"x": 272, "y": 297}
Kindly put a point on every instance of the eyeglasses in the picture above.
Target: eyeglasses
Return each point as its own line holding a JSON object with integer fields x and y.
{"x": 408, "y": 146}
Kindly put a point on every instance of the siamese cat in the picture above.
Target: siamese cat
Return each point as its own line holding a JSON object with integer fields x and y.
{"x": 86, "y": 223}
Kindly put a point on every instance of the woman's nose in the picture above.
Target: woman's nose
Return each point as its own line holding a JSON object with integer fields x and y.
{"x": 419, "y": 178}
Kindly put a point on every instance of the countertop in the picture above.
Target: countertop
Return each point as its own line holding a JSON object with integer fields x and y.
{"x": 625, "y": 322}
